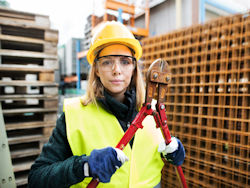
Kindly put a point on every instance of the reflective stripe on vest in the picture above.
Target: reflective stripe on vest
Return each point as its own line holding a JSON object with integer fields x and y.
{"x": 91, "y": 127}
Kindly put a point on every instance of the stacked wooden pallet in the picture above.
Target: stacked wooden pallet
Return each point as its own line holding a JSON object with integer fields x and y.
{"x": 28, "y": 92}
{"x": 208, "y": 101}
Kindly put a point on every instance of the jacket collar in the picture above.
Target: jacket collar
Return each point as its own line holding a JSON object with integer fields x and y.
{"x": 122, "y": 111}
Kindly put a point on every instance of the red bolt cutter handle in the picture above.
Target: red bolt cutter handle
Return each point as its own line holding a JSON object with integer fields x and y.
{"x": 161, "y": 122}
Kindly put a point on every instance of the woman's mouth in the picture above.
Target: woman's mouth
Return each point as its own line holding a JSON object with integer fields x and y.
{"x": 116, "y": 82}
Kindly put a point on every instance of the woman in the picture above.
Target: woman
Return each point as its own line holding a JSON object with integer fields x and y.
{"x": 82, "y": 144}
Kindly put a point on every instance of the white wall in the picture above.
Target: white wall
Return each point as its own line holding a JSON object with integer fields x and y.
{"x": 69, "y": 58}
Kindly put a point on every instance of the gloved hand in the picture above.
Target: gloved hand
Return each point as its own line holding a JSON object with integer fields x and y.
{"x": 104, "y": 162}
{"x": 173, "y": 152}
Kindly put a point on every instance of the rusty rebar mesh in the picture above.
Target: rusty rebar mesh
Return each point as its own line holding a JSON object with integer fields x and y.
{"x": 208, "y": 100}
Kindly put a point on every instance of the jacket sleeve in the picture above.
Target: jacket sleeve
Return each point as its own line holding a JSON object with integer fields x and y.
{"x": 56, "y": 166}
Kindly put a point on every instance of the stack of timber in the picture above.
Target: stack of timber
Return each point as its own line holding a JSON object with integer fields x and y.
{"x": 28, "y": 92}
{"x": 208, "y": 100}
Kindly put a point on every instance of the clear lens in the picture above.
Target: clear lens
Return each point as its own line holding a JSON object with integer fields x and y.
{"x": 107, "y": 63}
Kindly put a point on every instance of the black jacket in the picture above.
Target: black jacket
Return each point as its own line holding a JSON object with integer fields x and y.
{"x": 56, "y": 166}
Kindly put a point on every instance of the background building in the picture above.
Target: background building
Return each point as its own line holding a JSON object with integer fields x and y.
{"x": 169, "y": 15}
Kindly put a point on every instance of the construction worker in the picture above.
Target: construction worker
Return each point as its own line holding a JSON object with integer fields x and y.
{"x": 82, "y": 144}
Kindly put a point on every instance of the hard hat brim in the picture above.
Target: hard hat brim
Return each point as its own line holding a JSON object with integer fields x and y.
{"x": 98, "y": 45}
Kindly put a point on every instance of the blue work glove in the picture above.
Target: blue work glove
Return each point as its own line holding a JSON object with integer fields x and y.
{"x": 173, "y": 152}
{"x": 104, "y": 162}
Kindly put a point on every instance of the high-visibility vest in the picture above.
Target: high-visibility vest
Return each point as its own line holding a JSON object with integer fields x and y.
{"x": 91, "y": 127}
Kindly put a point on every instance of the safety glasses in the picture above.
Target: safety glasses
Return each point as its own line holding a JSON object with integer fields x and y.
{"x": 107, "y": 63}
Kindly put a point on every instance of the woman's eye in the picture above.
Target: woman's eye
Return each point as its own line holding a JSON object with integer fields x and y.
{"x": 125, "y": 62}
{"x": 106, "y": 63}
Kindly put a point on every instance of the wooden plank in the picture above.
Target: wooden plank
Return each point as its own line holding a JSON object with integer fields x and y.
{"x": 50, "y": 117}
{"x": 115, "y": 5}
{"x": 20, "y": 53}
{"x": 139, "y": 31}
{"x": 24, "y": 68}
{"x": 12, "y": 11}
{"x": 25, "y": 153}
{"x": 51, "y": 63}
{"x": 47, "y": 76}
{"x": 23, "y": 19}
{"x": 5, "y": 12}
{"x": 26, "y": 83}
{"x": 50, "y": 103}
{"x": 47, "y": 131}
{"x": 28, "y": 110}
{"x": 42, "y": 21}
{"x": 25, "y": 139}
{"x": 20, "y": 23}
{"x": 22, "y": 166}
{"x": 21, "y": 180}
{"x": 48, "y": 64}
{"x": 29, "y": 125}
{"x": 51, "y": 35}
{"x": 21, "y": 39}
{"x": 24, "y": 97}
{"x": 50, "y": 48}
{"x": 50, "y": 90}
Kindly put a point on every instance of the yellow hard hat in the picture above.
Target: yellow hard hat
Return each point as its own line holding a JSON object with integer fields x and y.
{"x": 113, "y": 32}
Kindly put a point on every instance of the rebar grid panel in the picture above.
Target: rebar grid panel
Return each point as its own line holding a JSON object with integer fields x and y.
{"x": 208, "y": 100}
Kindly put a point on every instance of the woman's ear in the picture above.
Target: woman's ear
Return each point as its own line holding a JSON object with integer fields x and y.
{"x": 97, "y": 72}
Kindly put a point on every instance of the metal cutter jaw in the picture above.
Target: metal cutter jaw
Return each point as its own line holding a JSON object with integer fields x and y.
{"x": 158, "y": 75}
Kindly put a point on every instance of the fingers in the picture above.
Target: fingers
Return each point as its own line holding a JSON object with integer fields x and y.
{"x": 121, "y": 155}
{"x": 173, "y": 154}
{"x": 170, "y": 148}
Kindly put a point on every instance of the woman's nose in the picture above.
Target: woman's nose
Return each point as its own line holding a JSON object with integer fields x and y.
{"x": 116, "y": 68}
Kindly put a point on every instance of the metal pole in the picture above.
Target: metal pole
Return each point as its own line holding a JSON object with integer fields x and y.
{"x": 120, "y": 15}
{"x": 202, "y": 11}
{"x": 178, "y": 5}
{"x": 78, "y": 67}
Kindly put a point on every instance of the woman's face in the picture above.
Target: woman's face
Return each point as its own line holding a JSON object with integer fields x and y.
{"x": 115, "y": 72}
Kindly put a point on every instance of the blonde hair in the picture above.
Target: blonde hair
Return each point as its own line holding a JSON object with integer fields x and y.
{"x": 95, "y": 88}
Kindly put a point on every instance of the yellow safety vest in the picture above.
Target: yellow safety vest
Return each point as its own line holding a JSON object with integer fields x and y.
{"x": 91, "y": 127}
